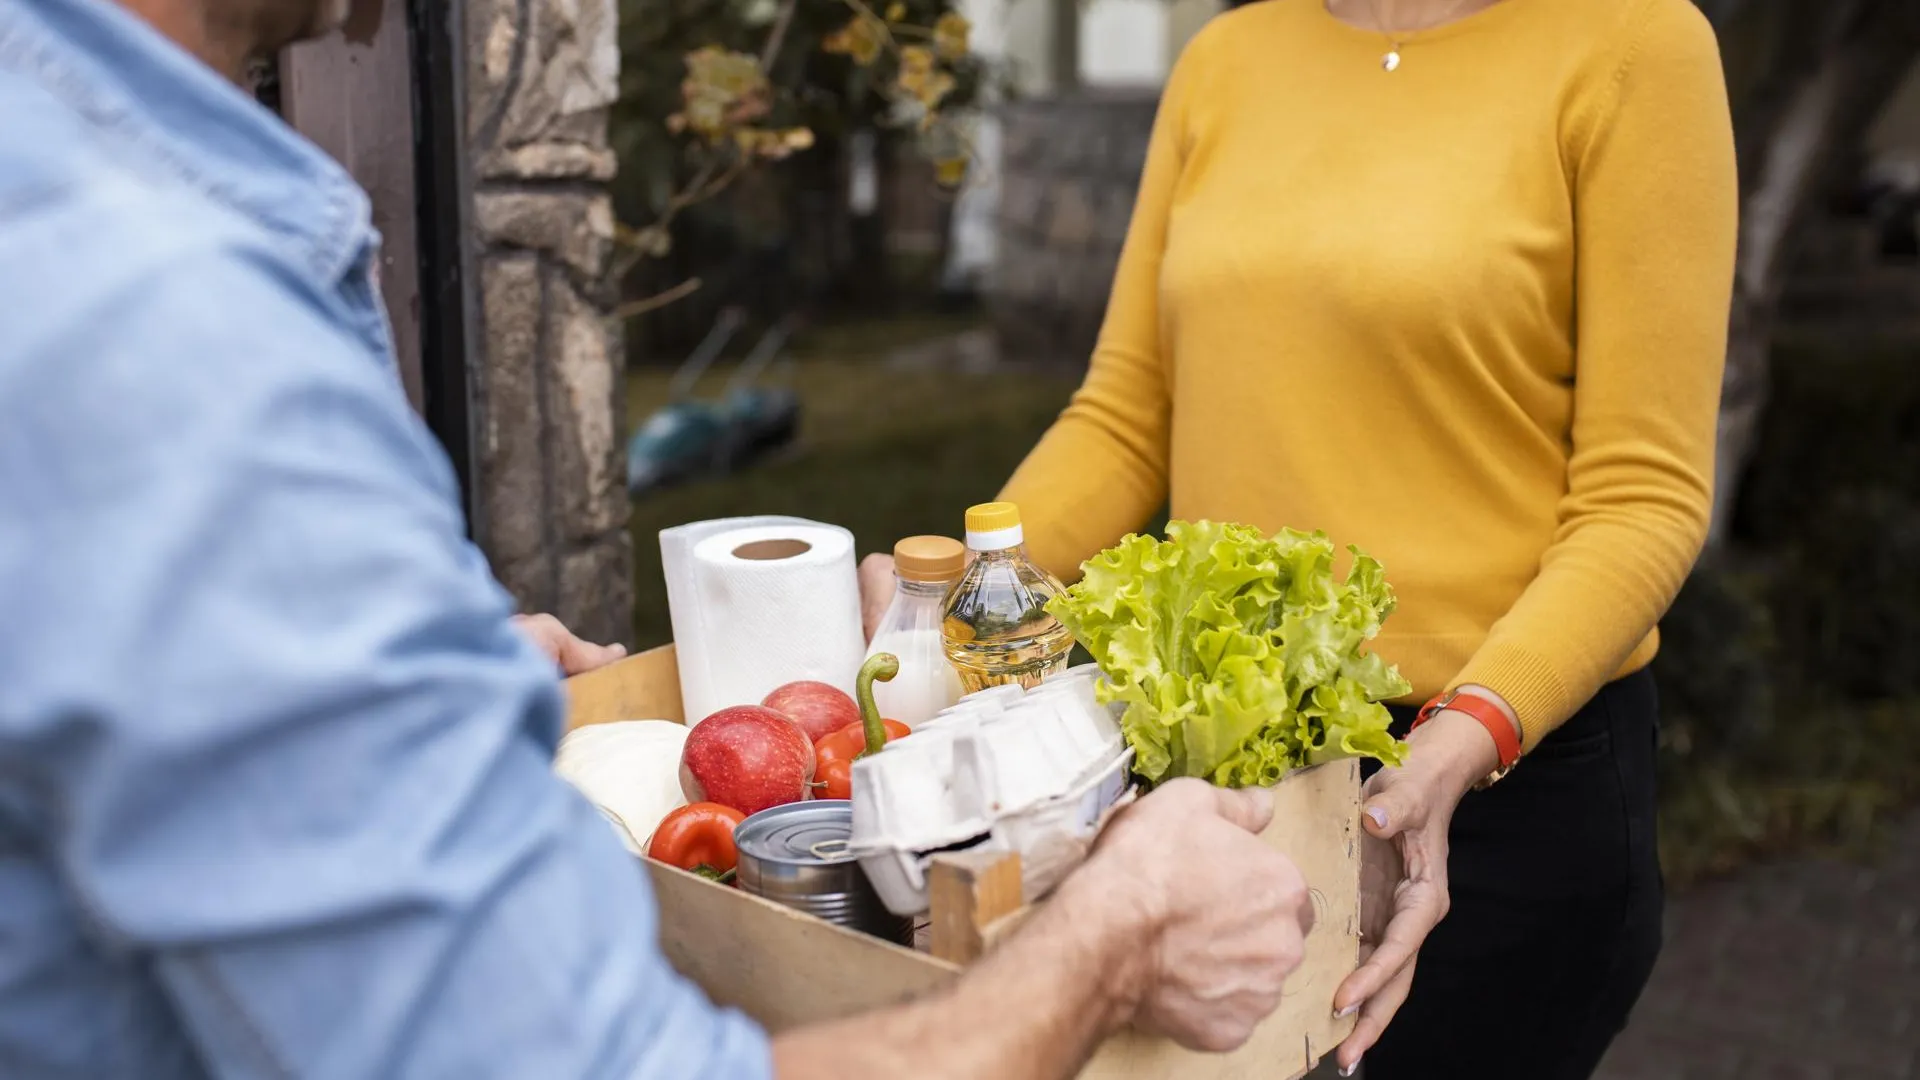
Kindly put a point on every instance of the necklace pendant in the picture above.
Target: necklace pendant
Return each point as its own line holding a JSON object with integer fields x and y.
{"x": 1391, "y": 61}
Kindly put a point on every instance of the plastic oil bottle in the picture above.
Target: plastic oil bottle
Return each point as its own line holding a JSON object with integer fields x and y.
{"x": 997, "y": 629}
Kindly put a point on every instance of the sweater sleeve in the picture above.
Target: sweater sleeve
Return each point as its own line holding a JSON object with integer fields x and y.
{"x": 1101, "y": 469}
{"x": 1656, "y": 207}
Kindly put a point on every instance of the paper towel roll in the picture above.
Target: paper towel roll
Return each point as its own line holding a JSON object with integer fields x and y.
{"x": 760, "y": 602}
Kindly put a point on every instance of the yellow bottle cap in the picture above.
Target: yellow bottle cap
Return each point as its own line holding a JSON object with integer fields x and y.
{"x": 929, "y": 558}
{"x": 993, "y": 517}
{"x": 994, "y": 526}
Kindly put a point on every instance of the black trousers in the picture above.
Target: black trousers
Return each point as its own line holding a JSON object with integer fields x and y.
{"x": 1556, "y": 914}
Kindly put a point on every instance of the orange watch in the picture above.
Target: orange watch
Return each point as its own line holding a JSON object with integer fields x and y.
{"x": 1506, "y": 741}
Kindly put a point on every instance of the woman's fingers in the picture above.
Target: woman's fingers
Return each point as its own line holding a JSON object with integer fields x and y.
{"x": 1392, "y": 811}
{"x": 578, "y": 655}
{"x": 574, "y": 655}
{"x": 1374, "y": 1018}
{"x": 876, "y": 590}
{"x": 1420, "y": 909}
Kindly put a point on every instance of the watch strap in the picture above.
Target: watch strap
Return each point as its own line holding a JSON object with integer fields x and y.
{"x": 1506, "y": 741}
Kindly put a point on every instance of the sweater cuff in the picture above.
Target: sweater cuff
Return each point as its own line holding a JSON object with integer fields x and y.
{"x": 1528, "y": 683}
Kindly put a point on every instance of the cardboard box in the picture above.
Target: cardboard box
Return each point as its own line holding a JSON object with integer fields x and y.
{"x": 785, "y": 968}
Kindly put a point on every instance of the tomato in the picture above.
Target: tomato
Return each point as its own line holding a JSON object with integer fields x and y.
{"x": 698, "y": 837}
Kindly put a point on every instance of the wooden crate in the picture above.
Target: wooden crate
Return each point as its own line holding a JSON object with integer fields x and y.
{"x": 786, "y": 969}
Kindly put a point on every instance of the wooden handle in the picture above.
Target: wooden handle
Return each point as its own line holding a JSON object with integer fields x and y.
{"x": 976, "y": 900}
{"x": 645, "y": 686}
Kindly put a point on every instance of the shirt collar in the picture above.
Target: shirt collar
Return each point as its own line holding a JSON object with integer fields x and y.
{"x": 180, "y": 116}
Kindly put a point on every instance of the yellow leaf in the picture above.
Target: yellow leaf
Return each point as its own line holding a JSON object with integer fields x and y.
{"x": 949, "y": 172}
{"x": 860, "y": 39}
{"x": 950, "y": 36}
{"x": 896, "y": 12}
{"x": 721, "y": 89}
{"x": 915, "y": 61}
{"x": 652, "y": 241}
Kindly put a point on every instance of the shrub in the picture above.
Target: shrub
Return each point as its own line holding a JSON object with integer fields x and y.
{"x": 1790, "y": 665}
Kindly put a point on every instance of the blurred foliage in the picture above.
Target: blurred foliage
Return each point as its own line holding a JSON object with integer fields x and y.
{"x": 1789, "y": 683}
{"x": 1849, "y": 421}
{"x": 712, "y": 88}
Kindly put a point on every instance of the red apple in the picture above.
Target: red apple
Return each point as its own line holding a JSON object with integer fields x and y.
{"x": 819, "y": 709}
{"x": 746, "y": 757}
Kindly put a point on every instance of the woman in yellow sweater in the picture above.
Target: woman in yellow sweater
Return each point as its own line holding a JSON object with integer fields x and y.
{"x": 1448, "y": 279}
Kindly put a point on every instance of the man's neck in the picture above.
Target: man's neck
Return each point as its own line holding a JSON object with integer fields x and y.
{"x": 221, "y": 41}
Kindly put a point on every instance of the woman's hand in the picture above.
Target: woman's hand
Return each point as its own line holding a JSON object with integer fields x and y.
{"x": 876, "y": 590}
{"x": 573, "y": 654}
{"x": 1403, "y": 881}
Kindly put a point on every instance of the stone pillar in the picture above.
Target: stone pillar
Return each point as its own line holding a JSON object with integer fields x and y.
{"x": 547, "y": 399}
{"x": 1070, "y": 167}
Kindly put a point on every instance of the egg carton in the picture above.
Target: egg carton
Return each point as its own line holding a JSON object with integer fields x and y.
{"x": 1004, "y": 769}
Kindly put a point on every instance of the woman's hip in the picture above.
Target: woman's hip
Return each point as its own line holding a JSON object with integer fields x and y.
{"x": 1577, "y": 816}
{"x": 1556, "y": 908}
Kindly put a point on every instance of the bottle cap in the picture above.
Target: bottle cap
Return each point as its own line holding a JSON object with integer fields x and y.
{"x": 993, "y": 526}
{"x": 929, "y": 558}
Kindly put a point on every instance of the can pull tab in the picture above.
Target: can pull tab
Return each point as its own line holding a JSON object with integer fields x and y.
{"x": 834, "y": 848}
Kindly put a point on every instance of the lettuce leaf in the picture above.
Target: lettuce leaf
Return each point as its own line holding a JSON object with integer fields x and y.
{"x": 1237, "y": 654}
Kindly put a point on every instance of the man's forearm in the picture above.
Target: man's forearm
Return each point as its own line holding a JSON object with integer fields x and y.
{"x": 1034, "y": 1010}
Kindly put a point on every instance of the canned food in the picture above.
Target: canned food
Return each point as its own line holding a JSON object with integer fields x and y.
{"x": 797, "y": 855}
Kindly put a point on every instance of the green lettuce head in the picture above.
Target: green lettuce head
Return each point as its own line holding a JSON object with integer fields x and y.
{"x": 1237, "y": 654}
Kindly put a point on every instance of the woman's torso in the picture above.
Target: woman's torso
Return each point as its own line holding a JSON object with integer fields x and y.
{"x": 1369, "y": 284}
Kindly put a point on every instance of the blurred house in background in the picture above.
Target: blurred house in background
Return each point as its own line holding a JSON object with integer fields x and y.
{"x": 1121, "y": 50}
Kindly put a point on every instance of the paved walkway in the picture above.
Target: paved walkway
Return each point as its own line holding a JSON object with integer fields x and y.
{"x": 1807, "y": 969}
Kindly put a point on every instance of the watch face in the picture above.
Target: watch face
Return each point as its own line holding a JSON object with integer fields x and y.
{"x": 1494, "y": 777}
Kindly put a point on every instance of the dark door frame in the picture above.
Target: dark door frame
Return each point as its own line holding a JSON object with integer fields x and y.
{"x": 443, "y": 202}
{"x": 386, "y": 98}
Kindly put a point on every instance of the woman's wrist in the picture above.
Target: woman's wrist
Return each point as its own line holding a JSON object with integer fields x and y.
{"x": 1458, "y": 747}
{"x": 1455, "y": 749}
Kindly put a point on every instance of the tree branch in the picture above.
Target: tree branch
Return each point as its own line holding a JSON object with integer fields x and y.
{"x": 1801, "y": 150}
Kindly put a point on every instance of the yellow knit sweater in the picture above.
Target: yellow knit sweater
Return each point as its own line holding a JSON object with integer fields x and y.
{"x": 1469, "y": 315}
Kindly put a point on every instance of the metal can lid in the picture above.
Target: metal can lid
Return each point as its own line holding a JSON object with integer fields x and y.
{"x": 812, "y": 833}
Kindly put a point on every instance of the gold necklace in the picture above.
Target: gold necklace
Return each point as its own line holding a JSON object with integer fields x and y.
{"x": 1391, "y": 61}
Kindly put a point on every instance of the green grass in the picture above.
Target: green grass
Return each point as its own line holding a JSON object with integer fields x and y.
{"x": 1847, "y": 773}
{"x": 883, "y": 451}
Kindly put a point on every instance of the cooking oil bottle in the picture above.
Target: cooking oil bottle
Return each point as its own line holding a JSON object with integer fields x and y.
{"x": 996, "y": 627}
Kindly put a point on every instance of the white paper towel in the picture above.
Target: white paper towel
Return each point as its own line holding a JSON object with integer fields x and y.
{"x": 752, "y": 611}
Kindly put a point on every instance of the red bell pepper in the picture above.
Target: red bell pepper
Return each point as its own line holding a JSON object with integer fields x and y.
{"x": 698, "y": 837}
{"x": 834, "y": 754}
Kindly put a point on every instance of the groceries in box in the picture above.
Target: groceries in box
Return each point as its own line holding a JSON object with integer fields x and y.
{"x": 1006, "y": 769}
{"x": 1228, "y": 654}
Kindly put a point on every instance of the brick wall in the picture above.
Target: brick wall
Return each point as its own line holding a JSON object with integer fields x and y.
{"x": 547, "y": 400}
{"x": 1070, "y": 166}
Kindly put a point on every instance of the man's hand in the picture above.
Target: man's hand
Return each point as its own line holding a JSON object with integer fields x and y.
{"x": 1220, "y": 917}
{"x": 1182, "y": 921}
{"x": 876, "y": 590}
{"x": 571, "y": 653}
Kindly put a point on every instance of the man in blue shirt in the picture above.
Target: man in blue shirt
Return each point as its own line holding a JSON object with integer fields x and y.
{"x": 275, "y": 786}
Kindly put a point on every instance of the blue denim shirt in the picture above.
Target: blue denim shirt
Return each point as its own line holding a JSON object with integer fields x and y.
{"x": 275, "y": 787}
